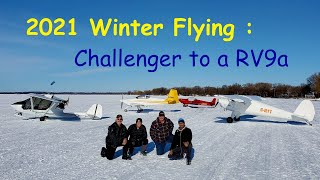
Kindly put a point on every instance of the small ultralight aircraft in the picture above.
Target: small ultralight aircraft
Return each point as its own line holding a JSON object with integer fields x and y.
{"x": 252, "y": 105}
{"x": 50, "y": 107}
{"x": 197, "y": 103}
{"x": 141, "y": 101}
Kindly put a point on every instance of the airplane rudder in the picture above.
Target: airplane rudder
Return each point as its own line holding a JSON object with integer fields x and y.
{"x": 306, "y": 110}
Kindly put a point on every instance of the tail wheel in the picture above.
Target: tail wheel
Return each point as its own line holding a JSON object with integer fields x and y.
{"x": 229, "y": 119}
{"x": 125, "y": 110}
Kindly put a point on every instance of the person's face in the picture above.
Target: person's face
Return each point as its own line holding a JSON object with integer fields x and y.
{"x": 181, "y": 125}
{"x": 119, "y": 120}
{"x": 139, "y": 123}
{"x": 161, "y": 118}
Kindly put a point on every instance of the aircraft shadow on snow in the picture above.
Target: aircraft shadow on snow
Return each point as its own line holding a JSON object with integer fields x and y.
{"x": 77, "y": 119}
{"x": 150, "y": 148}
{"x": 154, "y": 110}
{"x": 249, "y": 118}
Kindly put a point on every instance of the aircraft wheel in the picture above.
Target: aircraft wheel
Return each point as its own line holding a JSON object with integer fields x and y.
{"x": 185, "y": 105}
{"x": 125, "y": 110}
{"x": 237, "y": 119}
{"x": 140, "y": 110}
{"x": 42, "y": 118}
{"x": 229, "y": 120}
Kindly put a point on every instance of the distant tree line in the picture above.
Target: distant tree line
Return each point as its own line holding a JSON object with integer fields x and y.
{"x": 311, "y": 87}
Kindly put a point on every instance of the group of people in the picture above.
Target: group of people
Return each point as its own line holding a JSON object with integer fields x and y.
{"x": 136, "y": 136}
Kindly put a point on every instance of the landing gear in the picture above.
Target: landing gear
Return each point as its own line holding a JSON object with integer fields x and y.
{"x": 43, "y": 118}
{"x": 185, "y": 105}
{"x": 126, "y": 110}
{"x": 229, "y": 119}
{"x": 139, "y": 110}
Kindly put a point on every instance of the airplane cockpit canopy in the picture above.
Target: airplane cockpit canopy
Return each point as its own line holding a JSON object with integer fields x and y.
{"x": 38, "y": 103}
{"x": 143, "y": 97}
{"x": 26, "y": 104}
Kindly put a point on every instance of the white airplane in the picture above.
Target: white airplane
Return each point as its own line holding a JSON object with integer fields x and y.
{"x": 241, "y": 105}
{"x": 51, "y": 107}
{"x": 141, "y": 101}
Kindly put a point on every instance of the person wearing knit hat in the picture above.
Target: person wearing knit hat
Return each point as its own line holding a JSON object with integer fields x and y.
{"x": 161, "y": 132}
{"x": 181, "y": 143}
{"x": 181, "y": 120}
{"x": 161, "y": 113}
{"x": 137, "y": 137}
{"x": 117, "y": 136}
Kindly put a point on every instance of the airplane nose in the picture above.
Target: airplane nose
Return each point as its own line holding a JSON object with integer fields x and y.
{"x": 16, "y": 107}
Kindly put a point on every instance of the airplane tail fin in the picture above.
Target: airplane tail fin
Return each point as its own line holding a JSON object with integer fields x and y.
{"x": 173, "y": 97}
{"x": 214, "y": 102}
{"x": 95, "y": 111}
{"x": 305, "y": 111}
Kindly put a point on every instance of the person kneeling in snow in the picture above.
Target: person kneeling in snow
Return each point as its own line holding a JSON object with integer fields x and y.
{"x": 181, "y": 143}
{"x": 137, "y": 134}
{"x": 161, "y": 132}
{"x": 117, "y": 136}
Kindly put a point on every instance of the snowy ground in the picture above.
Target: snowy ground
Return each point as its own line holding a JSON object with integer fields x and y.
{"x": 254, "y": 148}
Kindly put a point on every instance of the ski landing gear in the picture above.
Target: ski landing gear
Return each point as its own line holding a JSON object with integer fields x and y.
{"x": 139, "y": 109}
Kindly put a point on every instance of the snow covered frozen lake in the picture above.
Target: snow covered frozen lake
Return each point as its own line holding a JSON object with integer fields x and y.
{"x": 254, "y": 148}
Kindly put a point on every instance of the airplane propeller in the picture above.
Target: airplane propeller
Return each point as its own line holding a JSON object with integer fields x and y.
{"x": 67, "y": 102}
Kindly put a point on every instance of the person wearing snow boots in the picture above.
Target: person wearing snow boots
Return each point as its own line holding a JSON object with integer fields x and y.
{"x": 117, "y": 136}
{"x": 137, "y": 134}
{"x": 161, "y": 132}
{"x": 181, "y": 143}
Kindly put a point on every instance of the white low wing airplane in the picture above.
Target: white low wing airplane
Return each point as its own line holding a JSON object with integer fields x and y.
{"x": 241, "y": 105}
{"x": 51, "y": 107}
{"x": 141, "y": 101}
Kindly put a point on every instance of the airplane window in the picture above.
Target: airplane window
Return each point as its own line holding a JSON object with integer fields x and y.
{"x": 41, "y": 104}
{"x": 44, "y": 104}
{"x": 26, "y": 104}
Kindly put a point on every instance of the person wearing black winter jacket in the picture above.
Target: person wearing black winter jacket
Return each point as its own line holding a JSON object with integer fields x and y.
{"x": 181, "y": 143}
{"x": 117, "y": 136}
{"x": 137, "y": 134}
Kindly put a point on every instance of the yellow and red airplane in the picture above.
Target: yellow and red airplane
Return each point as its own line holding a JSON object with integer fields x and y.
{"x": 141, "y": 101}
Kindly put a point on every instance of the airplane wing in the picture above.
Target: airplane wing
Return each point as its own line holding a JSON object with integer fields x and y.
{"x": 53, "y": 99}
{"x": 143, "y": 102}
{"x": 235, "y": 103}
{"x": 239, "y": 98}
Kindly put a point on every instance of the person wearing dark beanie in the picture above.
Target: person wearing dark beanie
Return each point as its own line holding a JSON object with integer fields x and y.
{"x": 161, "y": 132}
{"x": 181, "y": 143}
{"x": 137, "y": 137}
